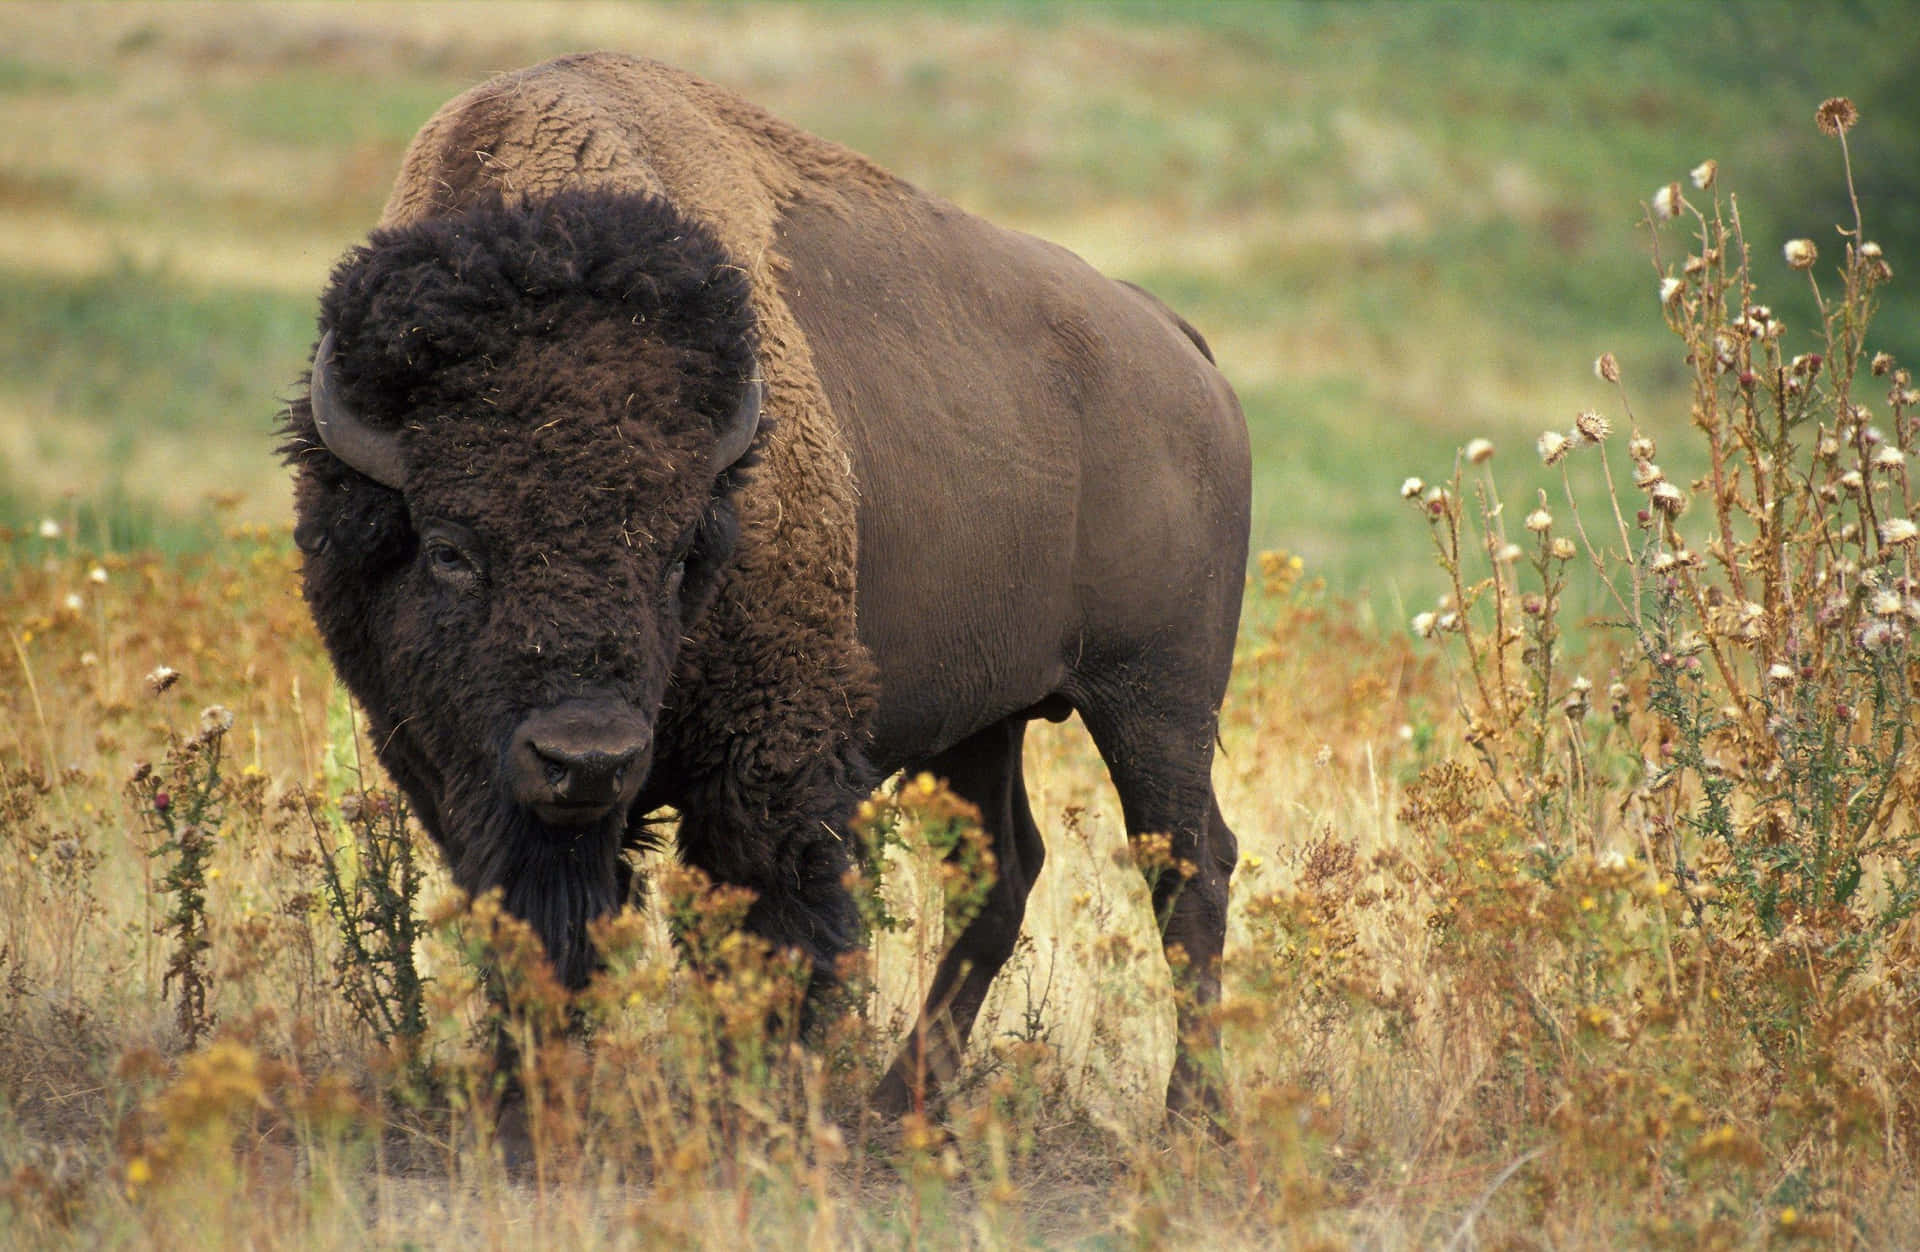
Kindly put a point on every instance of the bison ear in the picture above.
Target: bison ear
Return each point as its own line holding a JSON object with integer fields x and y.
{"x": 310, "y": 535}
{"x": 737, "y": 435}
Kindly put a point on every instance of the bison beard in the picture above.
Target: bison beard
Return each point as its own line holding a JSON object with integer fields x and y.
{"x": 556, "y": 881}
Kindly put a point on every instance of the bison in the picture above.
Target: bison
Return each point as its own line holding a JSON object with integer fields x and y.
{"x": 656, "y": 453}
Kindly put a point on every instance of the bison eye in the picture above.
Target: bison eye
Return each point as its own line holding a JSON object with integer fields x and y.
{"x": 448, "y": 559}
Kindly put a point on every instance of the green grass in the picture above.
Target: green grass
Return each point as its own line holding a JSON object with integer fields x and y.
{"x": 316, "y": 107}
{"x": 1400, "y": 225}
{"x": 135, "y": 348}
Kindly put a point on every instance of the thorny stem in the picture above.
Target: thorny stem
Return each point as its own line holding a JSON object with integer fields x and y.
{"x": 1450, "y": 559}
{"x": 1594, "y": 555}
{"x": 1705, "y": 387}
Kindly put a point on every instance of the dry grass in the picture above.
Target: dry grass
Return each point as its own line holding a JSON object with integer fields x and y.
{"x": 114, "y": 1128}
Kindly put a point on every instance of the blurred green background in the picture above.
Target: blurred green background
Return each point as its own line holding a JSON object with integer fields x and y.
{"x": 1401, "y": 225}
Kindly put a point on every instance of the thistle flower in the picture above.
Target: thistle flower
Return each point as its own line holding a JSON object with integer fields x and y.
{"x": 1886, "y": 604}
{"x": 1423, "y": 624}
{"x": 1889, "y": 458}
{"x": 49, "y": 529}
{"x": 1667, "y": 202}
{"x": 1801, "y": 254}
{"x": 1606, "y": 368}
{"x": 1836, "y": 116}
{"x": 1897, "y": 532}
{"x": 161, "y": 677}
{"x": 1876, "y": 264}
{"x": 1479, "y": 451}
{"x": 1670, "y": 289}
{"x": 1780, "y": 675}
{"x": 1562, "y": 549}
{"x": 1703, "y": 174}
{"x": 1647, "y": 475}
{"x": 1882, "y": 362}
{"x": 1539, "y": 521}
{"x": 1852, "y": 481}
{"x": 1880, "y": 633}
{"x": 216, "y": 719}
{"x": 1669, "y": 499}
{"x": 1411, "y": 489}
{"x": 1508, "y": 553}
{"x": 1725, "y": 350}
{"x": 1640, "y": 448}
{"x": 73, "y": 602}
{"x": 1552, "y": 446}
{"x": 1591, "y": 427}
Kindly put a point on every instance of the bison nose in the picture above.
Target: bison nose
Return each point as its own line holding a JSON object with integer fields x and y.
{"x": 575, "y": 763}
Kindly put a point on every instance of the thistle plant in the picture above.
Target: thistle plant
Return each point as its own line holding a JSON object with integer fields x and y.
{"x": 182, "y": 804}
{"x": 1745, "y": 780}
{"x": 372, "y": 886}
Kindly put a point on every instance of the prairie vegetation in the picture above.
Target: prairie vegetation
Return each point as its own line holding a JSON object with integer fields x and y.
{"x": 1579, "y": 914}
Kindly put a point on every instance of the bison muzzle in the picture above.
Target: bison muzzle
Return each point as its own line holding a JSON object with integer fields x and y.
{"x": 658, "y": 454}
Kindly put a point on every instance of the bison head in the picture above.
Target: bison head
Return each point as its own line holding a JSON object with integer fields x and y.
{"x": 515, "y": 472}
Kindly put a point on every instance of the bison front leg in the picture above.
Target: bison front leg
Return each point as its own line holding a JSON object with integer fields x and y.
{"x": 985, "y": 770}
{"x": 787, "y": 843}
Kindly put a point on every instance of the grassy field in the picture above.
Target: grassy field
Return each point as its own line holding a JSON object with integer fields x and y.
{"x": 1514, "y": 962}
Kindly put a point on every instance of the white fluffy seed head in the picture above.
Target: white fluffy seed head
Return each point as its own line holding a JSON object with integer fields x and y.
{"x": 1667, "y": 201}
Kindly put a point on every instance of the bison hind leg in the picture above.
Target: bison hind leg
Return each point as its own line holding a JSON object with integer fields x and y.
{"x": 986, "y": 771}
{"x": 1159, "y": 751}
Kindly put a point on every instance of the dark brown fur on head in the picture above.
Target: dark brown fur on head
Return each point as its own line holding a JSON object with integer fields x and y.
{"x": 556, "y": 372}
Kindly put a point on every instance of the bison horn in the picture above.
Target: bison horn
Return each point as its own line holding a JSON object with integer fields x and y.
{"x": 737, "y": 435}
{"x": 375, "y": 453}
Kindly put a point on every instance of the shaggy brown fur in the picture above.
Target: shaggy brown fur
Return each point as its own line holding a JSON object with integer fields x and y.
{"x": 994, "y": 485}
